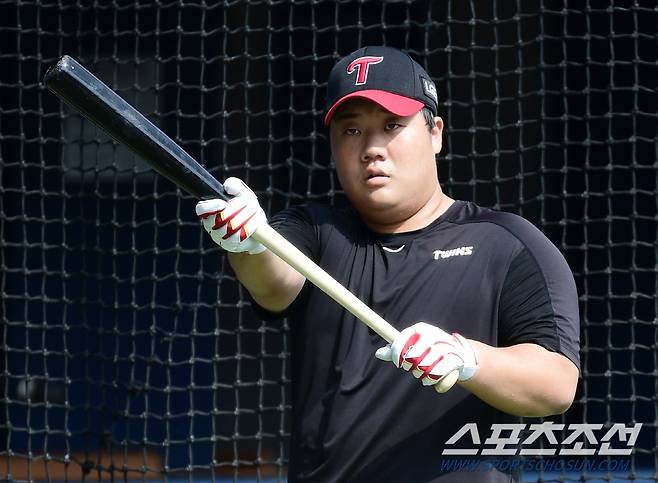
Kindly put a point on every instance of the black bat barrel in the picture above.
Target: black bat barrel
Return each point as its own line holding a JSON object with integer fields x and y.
{"x": 100, "y": 104}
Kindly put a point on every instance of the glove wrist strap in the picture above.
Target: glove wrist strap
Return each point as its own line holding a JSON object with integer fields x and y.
{"x": 259, "y": 249}
{"x": 467, "y": 372}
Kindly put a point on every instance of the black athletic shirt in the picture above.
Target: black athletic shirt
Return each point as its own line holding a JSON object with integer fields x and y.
{"x": 491, "y": 276}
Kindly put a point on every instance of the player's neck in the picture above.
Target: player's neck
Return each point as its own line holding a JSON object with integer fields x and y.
{"x": 436, "y": 206}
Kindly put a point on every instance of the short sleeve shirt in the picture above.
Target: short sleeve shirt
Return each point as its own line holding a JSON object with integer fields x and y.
{"x": 489, "y": 275}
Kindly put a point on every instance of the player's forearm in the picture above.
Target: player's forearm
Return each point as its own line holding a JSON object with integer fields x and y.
{"x": 270, "y": 281}
{"x": 523, "y": 380}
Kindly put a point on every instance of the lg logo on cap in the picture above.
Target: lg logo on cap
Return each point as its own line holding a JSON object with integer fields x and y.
{"x": 430, "y": 89}
{"x": 361, "y": 66}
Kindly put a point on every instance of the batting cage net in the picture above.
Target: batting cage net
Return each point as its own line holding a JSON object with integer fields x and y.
{"x": 128, "y": 349}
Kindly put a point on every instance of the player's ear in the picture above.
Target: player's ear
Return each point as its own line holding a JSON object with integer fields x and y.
{"x": 437, "y": 135}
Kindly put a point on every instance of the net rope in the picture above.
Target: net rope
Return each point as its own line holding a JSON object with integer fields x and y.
{"x": 129, "y": 350}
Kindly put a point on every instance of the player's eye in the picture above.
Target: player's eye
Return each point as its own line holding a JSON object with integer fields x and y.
{"x": 352, "y": 131}
{"x": 392, "y": 126}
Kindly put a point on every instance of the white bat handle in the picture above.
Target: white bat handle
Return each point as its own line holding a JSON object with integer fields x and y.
{"x": 290, "y": 254}
{"x": 325, "y": 282}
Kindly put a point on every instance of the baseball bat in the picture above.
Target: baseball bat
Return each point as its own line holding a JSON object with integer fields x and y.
{"x": 83, "y": 91}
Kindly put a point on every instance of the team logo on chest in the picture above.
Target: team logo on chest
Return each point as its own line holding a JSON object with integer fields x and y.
{"x": 361, "y": 66}
{"x": 453, "y": 252}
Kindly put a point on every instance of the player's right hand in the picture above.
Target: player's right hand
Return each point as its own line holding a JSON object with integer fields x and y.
{"x": 431, "y": 354}
{"x": 231, "y": 223}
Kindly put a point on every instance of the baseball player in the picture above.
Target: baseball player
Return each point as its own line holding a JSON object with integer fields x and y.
{"x": 470, "y": 289}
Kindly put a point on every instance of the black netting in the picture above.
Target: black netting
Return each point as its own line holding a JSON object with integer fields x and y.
{"x": 128, "y": 349}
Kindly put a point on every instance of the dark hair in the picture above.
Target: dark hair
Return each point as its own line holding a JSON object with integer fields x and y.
{"x": 429, "y": 118}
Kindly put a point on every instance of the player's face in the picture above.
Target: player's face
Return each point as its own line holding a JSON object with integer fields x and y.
{"x": 385, "y": 163}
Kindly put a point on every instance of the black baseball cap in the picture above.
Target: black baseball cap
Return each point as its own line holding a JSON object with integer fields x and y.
{"x": 385, "y": 75}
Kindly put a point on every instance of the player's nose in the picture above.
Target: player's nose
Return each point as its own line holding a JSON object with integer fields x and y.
{"x": 373, "y": 150}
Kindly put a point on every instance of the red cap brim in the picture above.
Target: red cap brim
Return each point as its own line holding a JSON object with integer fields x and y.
{"x": 397, "y": 104}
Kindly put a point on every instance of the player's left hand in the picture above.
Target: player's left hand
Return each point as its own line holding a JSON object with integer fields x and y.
{"x": 430, "y": 354}
{"x": 231, "y": 223}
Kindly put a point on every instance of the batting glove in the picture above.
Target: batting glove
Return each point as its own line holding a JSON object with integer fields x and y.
{"x": 430, "y": 354}
{"x": 231, "y": 223}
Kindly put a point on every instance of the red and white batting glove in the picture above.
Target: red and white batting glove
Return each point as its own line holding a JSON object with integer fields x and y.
{"x": 231, "y": 223}
{"x": 430, "y": 354}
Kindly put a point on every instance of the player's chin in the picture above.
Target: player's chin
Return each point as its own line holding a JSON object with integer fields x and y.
{"x": 380, "y": 188}
{"x": 380, "y": 204}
